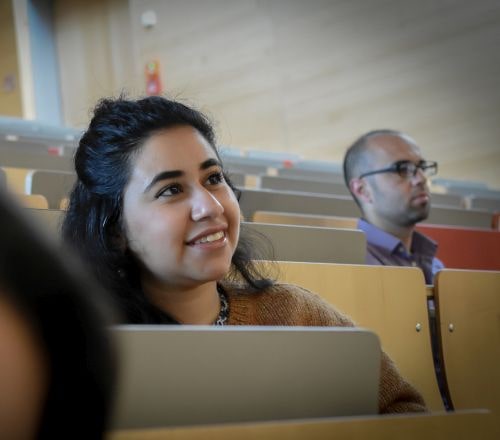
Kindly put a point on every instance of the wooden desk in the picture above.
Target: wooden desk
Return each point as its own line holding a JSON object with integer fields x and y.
{"x": 466, "y": 425}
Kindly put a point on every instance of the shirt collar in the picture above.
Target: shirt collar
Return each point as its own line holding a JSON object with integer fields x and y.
{"x": 378, "y": 237}
{"x": 420, "y": 244}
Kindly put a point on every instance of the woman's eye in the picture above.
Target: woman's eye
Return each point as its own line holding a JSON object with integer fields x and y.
{"x": 169, "y": 191}
{"x": 215, "y": 178}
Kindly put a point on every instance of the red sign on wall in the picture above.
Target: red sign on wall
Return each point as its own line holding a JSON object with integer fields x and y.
{"x": 153, "y": 81}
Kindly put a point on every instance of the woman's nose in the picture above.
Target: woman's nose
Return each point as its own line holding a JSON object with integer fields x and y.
{"x": 205, "y": 205}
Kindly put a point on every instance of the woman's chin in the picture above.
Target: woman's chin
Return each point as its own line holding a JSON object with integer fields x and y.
{"x": 214, "y": 272}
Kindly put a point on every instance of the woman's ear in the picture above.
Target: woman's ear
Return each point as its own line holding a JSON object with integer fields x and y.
{"x": 117, "y": 238}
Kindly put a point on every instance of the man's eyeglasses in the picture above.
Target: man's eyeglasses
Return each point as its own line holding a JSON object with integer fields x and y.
{"x": 407, "y": 169}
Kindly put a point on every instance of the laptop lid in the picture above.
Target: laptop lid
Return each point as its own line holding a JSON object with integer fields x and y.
{"x": 190, "y": 375}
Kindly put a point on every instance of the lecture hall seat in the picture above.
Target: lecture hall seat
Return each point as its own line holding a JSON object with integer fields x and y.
{"x": 35, "y": 201}
{"x": 458, "y": 247}
{"x": 290, "y": 218}
{"x": 465, "y": 248}
{"x": 468, "y": 317}
{"x": 311, "y": 243}
{"x": 54, "y": 185}
{"x": 392, "y": 301}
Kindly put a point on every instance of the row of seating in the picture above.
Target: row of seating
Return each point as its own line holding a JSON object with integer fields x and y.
{"x": 287, "y": 165}
{"x": 289, "y": 243}
{"x": 392, "y": 301}
{"x": 56, "y": 182}
{"x": 295, "y": 184}
{"x": 54, "y": 186}
{"x": 377, "y": 297}
{"x": 253, "y": 200}
{"x": 34, "y": 145}
{"x": 302, "y": 237}
{"x": 336, "y": 187}
{"x": 459, "y": 247}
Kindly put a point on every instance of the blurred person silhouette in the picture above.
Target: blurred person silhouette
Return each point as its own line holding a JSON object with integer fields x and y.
{"x": 388, "y": 178}
{"x": 57, "y": 359}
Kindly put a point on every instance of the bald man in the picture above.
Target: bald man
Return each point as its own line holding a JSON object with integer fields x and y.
{"x": 387, "y": 176}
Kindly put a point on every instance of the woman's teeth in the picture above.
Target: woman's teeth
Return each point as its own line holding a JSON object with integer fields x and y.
{"x": 210, "y": 238}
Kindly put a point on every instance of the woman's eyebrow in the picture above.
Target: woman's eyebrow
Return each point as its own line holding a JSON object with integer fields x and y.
{"x": 210, "y": 163}
{"x": 164, "y": 175}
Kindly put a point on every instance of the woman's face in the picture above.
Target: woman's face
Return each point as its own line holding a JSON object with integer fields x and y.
{"x": 180, "y": 217}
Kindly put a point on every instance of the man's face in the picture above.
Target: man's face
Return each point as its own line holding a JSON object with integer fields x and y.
{"x": 395, "y": 201}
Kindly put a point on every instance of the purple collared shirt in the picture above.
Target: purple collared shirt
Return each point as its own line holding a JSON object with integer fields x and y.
{"x": 386, "y": 250}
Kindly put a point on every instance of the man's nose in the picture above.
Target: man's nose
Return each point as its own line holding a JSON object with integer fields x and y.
{"x": 419, "y": 177}
{"x": 205, "y": 205}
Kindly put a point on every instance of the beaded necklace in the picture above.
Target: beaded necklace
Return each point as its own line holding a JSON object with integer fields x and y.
{"x": 224, "y": 307}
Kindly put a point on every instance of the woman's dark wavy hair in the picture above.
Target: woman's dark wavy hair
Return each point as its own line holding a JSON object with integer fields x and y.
{"x": 103, "y": 161}
{"x": 69, "y": 314}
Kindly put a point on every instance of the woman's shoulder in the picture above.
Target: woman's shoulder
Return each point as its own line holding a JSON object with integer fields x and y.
{"x": 277, "y": 292}
{"x": 284, "y": 304}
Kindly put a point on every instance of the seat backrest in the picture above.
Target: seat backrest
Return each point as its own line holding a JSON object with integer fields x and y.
{"x": 288, "y": 218}
{"x": 303, "y": 185}
{"x": 3, "y": 178}
{"x": 455, "y": 200}
{"x": 312, "y": 174}
{"x": 392, "y": 301}
{"x": 238, "y": 179}
{"x": 495, "y": 223}
{"x": 465, "y": 248}
{"x": 244, "y": 167}
{"x": 49, "y": 219}
{"x": 36, "y": 201}
{"x": 16, "y": 179}
{"x": 468, "y": 311}
{"x": 282, "y": 201}
{"x": 40, "y": 160}
{"x": 486, "y": 203}
{"x": 314, "y": 244}
{"x": 54, "y": 185}
{"x": 344, "y": 206}
{"x": 445, "y": 215}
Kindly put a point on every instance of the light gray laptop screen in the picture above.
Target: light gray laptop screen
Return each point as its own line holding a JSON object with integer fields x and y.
{"x": 190, "y": 375}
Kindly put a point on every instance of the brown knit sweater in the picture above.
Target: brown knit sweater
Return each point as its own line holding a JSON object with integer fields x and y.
{"x": 285, "y": 304}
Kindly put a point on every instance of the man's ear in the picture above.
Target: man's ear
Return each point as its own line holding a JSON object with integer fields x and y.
{"x": 361, "y": 190}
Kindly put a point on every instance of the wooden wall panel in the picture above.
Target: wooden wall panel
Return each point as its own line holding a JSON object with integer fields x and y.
{"x": 94, "y": 48}
{"x": 10, "y": 93}
{"x": 309, "y": 77}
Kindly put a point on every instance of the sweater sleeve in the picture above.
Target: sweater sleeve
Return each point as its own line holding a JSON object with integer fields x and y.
{"x": 396, "y": 395}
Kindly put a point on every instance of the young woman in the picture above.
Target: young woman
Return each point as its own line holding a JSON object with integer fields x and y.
{"x": 157, "y": 218}
{"x": 56, "y": 357}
